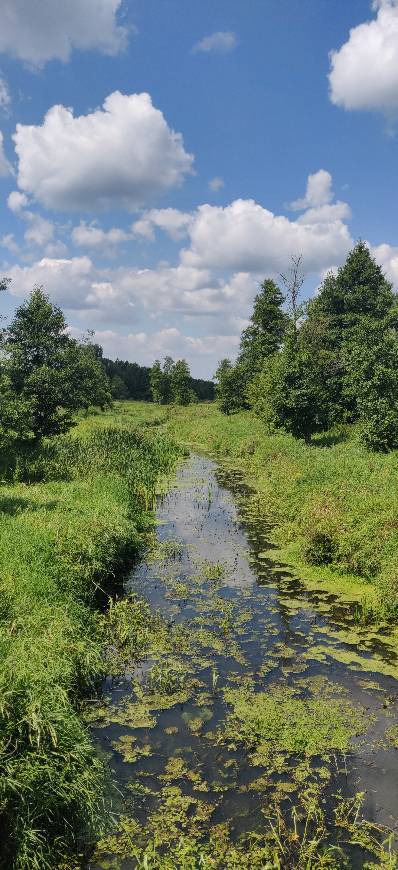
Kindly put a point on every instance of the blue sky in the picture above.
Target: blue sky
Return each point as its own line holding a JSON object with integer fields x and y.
{"x": 161, "y": 157}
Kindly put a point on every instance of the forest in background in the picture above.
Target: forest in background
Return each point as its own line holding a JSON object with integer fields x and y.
{"x": 129, "y": 380}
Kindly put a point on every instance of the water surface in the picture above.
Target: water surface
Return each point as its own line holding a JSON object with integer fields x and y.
{"x": 232, "y": 617}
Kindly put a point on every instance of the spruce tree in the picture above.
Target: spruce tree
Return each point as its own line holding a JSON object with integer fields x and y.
{"x": 349, "y": 303}
{"x": 266, "y": 329}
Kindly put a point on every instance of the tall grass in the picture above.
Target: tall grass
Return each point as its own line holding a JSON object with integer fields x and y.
{"x": 60, "y": 537}
{"x": 332, "y": 502}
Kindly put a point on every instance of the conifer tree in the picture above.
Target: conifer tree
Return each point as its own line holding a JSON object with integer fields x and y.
{"x": 349, "y": 303}
{"x": 265, "y": 332}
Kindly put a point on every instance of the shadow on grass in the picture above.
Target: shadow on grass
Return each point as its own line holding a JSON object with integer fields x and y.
{"x": 12, "y": 505}
{"x": 330, "y": 439}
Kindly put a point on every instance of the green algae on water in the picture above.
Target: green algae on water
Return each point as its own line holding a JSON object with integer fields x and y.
{"x": 280, "y": 720}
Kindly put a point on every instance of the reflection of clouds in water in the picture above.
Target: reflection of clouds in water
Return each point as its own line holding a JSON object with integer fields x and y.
{"x": 203, "y": 515}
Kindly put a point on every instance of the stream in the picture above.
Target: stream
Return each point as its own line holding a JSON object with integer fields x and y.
{"x": 234, "y": 630}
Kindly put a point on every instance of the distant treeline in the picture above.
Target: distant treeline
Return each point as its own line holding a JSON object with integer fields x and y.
{"x": 131, "y": 381}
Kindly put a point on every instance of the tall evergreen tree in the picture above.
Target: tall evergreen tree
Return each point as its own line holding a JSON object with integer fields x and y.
{"x": 360, "y": 289}
{"x": 348, "y": 304}
{"x": 266, "y": 329}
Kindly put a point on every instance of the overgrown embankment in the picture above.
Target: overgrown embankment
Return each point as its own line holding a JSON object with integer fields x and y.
{"x": 334, "y": 504}
{"x": 76, "y": 517}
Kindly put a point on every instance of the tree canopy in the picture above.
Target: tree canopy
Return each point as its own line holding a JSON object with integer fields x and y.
{"x": 46, "y": 376}
{"x": 333, "y": 360}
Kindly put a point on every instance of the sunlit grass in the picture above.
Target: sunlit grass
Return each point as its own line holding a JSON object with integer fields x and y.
{"x": 61, "y": 538}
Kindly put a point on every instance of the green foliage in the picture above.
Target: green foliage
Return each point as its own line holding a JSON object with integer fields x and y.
{"x": 230, "y": 389}
{"x": 338, "y": 361}
{"x": 259, "y": 341}
{"x": 265, "y": 333}
{"x": 46, "y": 373}
{"x": 119, "y": 388}
{"x": 349, "y": 306}
{"x": 136, "y": 382}
{"x": 372, "y": 382}
{"x": 61, "y": 540}
{"x": 134, "y": 377}
{"x": 180, "y": 383}
{"x": 173, "y": 383}
{"x": 158, "y": 382}
{"x": 358, "y": 290}
{"x": 296, "y": 399}
{"x": 333, "y": 505}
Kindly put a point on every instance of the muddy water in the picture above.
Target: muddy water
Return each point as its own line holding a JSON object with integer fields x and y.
{"x": 231, "y": 617}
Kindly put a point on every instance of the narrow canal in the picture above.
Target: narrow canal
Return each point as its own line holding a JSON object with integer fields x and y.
{"x": 262, "y": 725}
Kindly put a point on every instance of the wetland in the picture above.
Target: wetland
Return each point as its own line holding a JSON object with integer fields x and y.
{"x": 256, "y": 724}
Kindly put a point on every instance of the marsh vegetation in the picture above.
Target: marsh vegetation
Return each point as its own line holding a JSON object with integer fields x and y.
{"x": 255, "y": 731}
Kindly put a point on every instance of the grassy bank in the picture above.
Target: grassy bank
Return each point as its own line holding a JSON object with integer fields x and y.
{"x": 333, "y": 505}
{"x": 74, "y": 517}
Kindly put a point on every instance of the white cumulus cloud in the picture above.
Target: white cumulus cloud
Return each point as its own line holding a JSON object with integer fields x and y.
{"x": 17, "y": 201}
{"x": 172, "y": 221}
{"x": 220, "y": 42}
{"x": 364, "y": 71}
{"x": 67, "y": 280}
{"x": 92, "y": 236}
{"x": 40, "y": 30}
{"x": 122, "y": 155}
{"x": 319, "y": 191}
{"x": 245, "y": 237}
